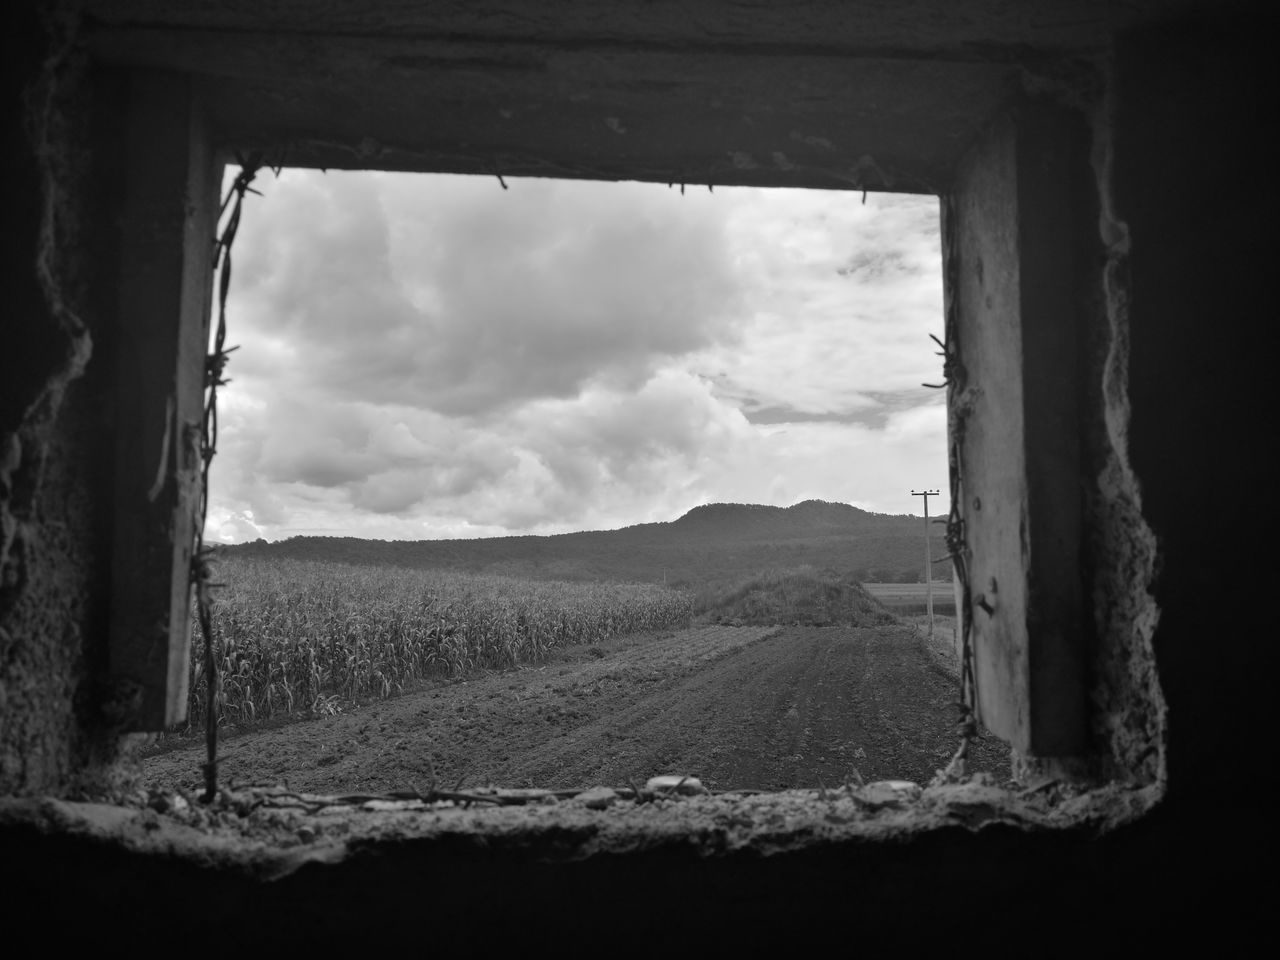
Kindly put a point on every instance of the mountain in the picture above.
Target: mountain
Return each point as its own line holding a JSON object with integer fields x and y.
{"x": 746, "y": 521}
{"x": 713, "y": 543}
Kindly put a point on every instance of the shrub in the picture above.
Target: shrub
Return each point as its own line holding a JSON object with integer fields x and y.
{"x": 801, "y": 595}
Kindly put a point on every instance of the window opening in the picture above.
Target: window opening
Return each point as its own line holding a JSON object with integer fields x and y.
{"x": 651, "y": 418}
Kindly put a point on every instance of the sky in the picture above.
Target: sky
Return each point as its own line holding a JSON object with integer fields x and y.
{"x": 430, "y": 356}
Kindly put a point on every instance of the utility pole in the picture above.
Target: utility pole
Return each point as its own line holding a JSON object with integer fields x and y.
{"x": 928, "y": 559}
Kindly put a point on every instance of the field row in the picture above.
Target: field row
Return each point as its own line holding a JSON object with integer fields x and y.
{"x": 293, "y": 635}
{"x": 908, "y": 591}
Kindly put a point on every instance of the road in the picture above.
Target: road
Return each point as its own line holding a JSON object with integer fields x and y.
{"x": 738, "y": 707}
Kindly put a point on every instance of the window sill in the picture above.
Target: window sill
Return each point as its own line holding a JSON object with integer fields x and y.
{"x": 255, "y": 833}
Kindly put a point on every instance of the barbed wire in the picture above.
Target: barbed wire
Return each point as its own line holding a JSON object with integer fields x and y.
{"x": 207, "y": 440}
{"x": 955, "y": 381}
{"x": 201, "y": 573}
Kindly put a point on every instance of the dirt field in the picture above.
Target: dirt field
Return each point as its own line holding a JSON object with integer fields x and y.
{"x": 738, "y": 707}
{"x": 914, "y": 596}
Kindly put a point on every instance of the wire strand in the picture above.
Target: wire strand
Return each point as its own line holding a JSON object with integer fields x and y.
{"x": 215, "y": 367}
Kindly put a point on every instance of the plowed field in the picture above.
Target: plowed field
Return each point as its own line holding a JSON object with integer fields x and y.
{"x": 738, "y": 707}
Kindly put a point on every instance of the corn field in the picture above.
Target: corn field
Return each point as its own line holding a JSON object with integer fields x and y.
{"x": 305, "y": 636}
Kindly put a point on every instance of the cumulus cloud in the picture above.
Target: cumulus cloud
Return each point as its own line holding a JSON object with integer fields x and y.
{"x": 445, "y": 292}
{"x": 845, "y": 299}
{"x": 433, "y": 356}
{"x": 236, "y": 527}
{"x": 609, "y": 452}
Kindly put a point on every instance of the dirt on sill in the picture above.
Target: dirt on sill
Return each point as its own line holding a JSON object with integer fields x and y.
{"x": 269, "y": 833}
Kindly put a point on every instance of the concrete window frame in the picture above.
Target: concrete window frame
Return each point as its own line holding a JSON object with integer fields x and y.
{"x": 1020, "y": 215}
{"x": 1173, "y": 102}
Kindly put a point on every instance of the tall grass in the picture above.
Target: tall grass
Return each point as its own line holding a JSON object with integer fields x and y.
{"x": 297, "y": 635}
{"x": 802, "y": 595}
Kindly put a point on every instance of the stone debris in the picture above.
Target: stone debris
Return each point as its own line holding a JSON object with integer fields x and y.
{"x": 162, "y": 801}
{"x": 597, "y": 798}
{"x": 889, "y": 792}
{"x": 675, "y": 783}
{"x": 389, "y": 806}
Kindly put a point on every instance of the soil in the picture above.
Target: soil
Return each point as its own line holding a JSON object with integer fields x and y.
{"x": 738, "y": 707}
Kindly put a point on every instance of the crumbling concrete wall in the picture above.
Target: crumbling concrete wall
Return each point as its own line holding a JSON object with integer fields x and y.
{"x": 55, "y": 432}
{"x": 1187, "y": 206}
{"x": 1194, "y": 182}
{"x": 1035, "y": 258}
{"x": 1128, "y": 714}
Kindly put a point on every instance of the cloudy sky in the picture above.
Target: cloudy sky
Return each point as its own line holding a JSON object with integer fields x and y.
{"x": 435, "y": 356}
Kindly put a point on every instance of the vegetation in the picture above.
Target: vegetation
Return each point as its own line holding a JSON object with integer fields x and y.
{"x": 294, "y": 635}
{"x": 719, "y": 542}
{"x": 802, "y": 596}
{"x": 308, "y": 622}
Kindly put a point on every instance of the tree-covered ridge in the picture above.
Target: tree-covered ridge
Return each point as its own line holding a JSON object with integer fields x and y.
{"x": 710, "y": 543}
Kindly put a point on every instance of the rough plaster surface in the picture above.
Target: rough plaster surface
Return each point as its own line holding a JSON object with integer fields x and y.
{"x": 972, "y": 30}
{"x": 1178, "y": 866}
{"x": 1129, "y": 713}
{"x": 772, "y": 873}
{"x": 879, "y": 94}
{"x": 1200, "y": 305}
{"x": 49, "y": 585}
{"x": 1128, "y": 716}
{"x": 265, "y": 835}
{"x": 987, "y": 411}
{"x": 50, "y": 593}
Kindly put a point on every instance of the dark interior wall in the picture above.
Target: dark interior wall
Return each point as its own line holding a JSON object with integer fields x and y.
{"x": 55, "y": 433}
{"x": 1195, "y": 182}
{"x": 60, "y": 717}
{"x": 992, "y": 893}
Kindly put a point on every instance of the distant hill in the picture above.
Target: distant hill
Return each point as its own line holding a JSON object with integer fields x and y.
{"x": 715, "y": 543}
